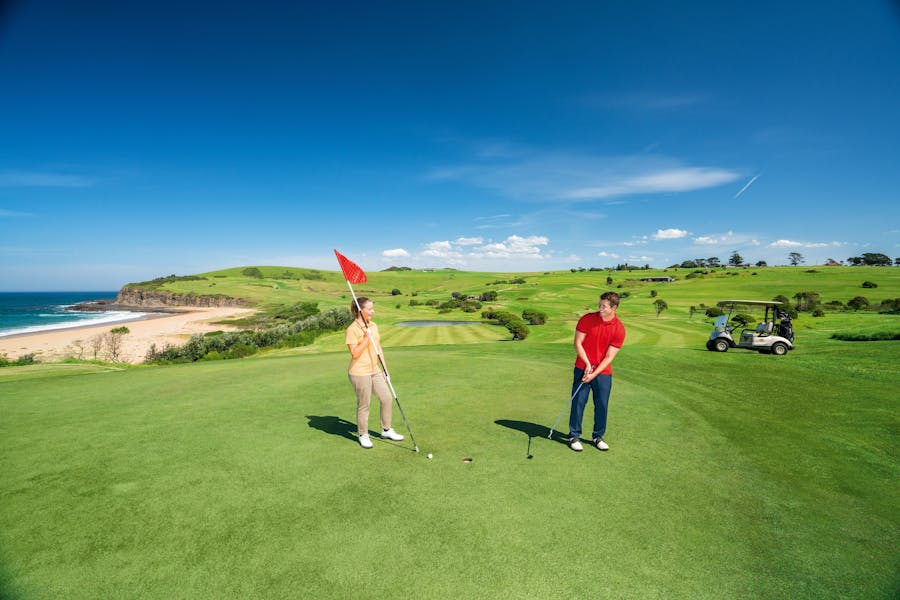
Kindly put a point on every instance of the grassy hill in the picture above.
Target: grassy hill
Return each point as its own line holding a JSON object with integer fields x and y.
{"x": 733, "y": 475}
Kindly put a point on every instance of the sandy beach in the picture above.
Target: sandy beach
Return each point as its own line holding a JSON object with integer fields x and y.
{"x": 160, "y": 329}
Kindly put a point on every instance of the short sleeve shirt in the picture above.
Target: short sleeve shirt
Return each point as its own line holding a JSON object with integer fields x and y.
{"x": 599, "y": 336}
{"x": 367, "y": 363}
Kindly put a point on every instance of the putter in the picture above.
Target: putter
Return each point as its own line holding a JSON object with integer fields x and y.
{"x": 397, "y": 400}
{"x": 555, "y": 423}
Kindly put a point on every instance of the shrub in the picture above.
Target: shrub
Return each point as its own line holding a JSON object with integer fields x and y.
{"x": 513, "y": 324}
{"x": 120, "y": 330}
{"x": 395, "y": 292}
{"x": 518, "y": 329}
{"x": 714, "y": 311}
{"x": 25, "y": 359}
{"x": 858, "y": 302}
{"x": 241, "y": 351}
{"x": 489, "y": 296}
{"x": 869, "y": 284}
{"x": 534, "y": 317}
{"x": 237, "y": 344}
{"x": 252, "y": 272}
{"x": 880, "y": 336}
{"x": 818, "y": 313}
{"x": 742, "y": 319}
{"x": 653, "y": 293}
{"x": 414, "y": 302}
{"x": 890, "y": 305}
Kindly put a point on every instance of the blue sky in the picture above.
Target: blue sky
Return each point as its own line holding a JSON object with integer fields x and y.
{"x": 141, "y": 139}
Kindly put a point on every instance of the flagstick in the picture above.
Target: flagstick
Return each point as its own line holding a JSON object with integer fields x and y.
{"x": 383, "y": 368}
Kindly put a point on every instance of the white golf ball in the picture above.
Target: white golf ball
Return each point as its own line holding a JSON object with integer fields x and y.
{"x": 429, "y": 455}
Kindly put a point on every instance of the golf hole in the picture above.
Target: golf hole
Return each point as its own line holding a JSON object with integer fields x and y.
{"x": 467, "y": 460}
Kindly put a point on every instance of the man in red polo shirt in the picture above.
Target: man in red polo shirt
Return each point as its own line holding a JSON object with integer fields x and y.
{"x": 598, "y": 338}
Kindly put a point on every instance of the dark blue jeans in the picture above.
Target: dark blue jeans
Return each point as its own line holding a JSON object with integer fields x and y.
{"x": 601, "y": 385}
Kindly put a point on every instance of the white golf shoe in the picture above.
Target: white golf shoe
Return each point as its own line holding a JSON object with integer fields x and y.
{"x": 390, "y": 434}
{"x": 365, "y": 442}
{"x": 575, "y": 445}
{"x": 600, "y": 444}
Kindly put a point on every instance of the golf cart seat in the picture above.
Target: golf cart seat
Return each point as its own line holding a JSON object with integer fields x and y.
{"x": 764, "y": 328}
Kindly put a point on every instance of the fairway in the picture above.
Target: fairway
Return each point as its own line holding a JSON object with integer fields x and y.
{"x": 730, "y": 475}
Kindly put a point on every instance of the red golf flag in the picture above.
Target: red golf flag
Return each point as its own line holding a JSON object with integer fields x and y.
{"x": 352, "y": 272}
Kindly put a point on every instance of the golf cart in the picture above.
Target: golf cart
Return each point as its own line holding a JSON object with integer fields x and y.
{"x": 768, "y": 337}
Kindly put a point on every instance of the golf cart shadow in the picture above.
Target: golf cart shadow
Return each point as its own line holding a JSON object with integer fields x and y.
{"x": 532, "y": 430}
{"x": 333, "y": 425}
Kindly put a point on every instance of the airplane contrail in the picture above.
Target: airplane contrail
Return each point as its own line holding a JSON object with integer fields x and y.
{"x": 744, "y": 189}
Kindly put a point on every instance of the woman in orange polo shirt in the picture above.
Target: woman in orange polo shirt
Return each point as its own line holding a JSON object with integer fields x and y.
{"x": 365, "y": 373}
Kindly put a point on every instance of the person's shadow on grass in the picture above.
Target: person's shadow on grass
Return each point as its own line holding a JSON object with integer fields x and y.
{"x": 533, "y": 430}
{"x": 333, "y": 425}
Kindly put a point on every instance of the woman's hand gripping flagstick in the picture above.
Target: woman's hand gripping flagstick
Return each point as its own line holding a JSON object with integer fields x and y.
{"x": 354, "y": 274}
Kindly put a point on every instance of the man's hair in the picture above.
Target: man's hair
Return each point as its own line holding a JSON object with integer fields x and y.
{"x": 362, "y": 302}
{"x": 611, "y": 297}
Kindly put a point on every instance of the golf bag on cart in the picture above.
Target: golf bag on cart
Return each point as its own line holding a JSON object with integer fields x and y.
{"x": 785, "y": 329}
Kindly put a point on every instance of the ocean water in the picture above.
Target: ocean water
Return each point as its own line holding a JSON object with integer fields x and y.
{"x": 28, "y": 312}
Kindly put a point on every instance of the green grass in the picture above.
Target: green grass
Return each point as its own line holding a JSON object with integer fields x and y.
{"x": 734, "y": 475}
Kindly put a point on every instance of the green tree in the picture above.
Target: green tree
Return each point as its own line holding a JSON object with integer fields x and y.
{"x": 736, "y": 259}
{"x": 762, "y": 263}
{"x": 252, "y": 272}
{"x": 795, "y": 258}
{"x": 534, "y": 317}
{"x": 807, "y": 300}
{"x": 660, "y": 305}
{"x": 876, "y": 259}
{"x": 858, "y": 303}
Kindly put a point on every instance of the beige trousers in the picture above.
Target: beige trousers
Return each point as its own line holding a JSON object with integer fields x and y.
{"x": 363, "y": 385}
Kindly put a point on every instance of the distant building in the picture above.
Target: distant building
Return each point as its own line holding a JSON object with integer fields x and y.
{"x": 657, "y": 279}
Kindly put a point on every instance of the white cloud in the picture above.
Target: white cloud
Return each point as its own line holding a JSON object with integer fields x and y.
{"x": 670, "y": 234}
{"x": 442, "y": 249}
{"x": 720, "y": 238}
{"x": 533, "y": 174}
{"x": 469, "y": 241}
{"x": 395, "y": 253}
{"x": 513, "y": 247}
{"x": 655, "y": 182}
{"x": 794, "y": 244}
{"x": 607, "y": 254}
{"x": 786, "y": 244}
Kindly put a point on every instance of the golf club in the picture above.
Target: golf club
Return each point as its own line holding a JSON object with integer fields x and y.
{"x": 529, "y": 455}
{"x": 575, "y": 393}
{"x": 397, "y": 400}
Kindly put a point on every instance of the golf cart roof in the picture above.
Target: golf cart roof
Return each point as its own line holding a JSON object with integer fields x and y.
{"x": 749, "y": 302}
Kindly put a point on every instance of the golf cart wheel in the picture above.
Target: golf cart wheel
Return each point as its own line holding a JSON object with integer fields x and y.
{"x": 721, "y": 345}
{"x": 709, "y": 345}
{"x": 779, "y": 349}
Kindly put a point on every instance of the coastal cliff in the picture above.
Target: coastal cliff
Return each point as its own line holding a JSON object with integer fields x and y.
{"x": 134, "y": 296}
